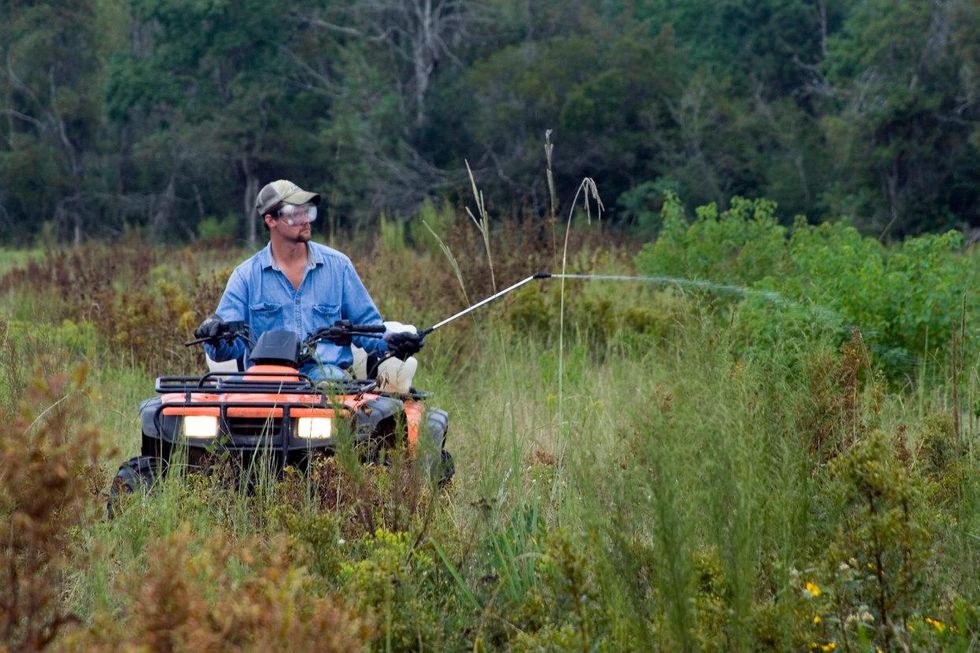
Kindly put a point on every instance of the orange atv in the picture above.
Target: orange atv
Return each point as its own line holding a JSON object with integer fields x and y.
{"x": 272, "y": 409}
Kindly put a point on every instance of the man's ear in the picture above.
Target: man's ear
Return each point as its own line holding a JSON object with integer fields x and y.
{"x": 268, "y": 220}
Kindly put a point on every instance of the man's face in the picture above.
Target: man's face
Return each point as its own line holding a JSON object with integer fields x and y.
{"x": 292, "y": 222}
{"x": 301, "y": 232}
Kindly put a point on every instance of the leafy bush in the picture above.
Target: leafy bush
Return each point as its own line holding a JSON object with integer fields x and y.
{"x": 135, "y": 296}
{"x": 908, "y": 300}
{"x": 216, "y": 231}
{"x": 742, "y": 245}
{"x": 390, "y": 582}
{"x": 877, "y": 563}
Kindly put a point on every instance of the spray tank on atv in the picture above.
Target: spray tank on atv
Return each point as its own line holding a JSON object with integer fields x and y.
{"x": 275, "y": 411}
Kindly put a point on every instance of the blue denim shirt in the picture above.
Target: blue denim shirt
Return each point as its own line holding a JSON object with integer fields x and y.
{"x": 260, "y": 294}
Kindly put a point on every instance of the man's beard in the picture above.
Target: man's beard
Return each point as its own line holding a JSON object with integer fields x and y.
{"x": 304, "y": 235}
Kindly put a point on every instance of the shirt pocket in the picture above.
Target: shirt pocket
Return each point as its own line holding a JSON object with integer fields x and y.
{"x": 266, "y": 316}
{"x": 325, "y": 315}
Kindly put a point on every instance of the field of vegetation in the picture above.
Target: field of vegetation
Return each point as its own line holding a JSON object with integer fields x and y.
{"x": 773, "y": 447}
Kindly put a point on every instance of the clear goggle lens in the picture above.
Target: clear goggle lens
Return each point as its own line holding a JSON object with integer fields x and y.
{"x": 292, "y": 214}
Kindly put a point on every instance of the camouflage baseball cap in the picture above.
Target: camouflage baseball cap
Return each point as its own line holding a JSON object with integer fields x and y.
{"x": 282, "y": 191}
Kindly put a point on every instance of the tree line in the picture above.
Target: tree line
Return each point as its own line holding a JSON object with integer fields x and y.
{"x": 166, "y": 116}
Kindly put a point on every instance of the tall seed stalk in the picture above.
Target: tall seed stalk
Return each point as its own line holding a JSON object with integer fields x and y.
{"x": 587, "y": 189}
{"x": 483, "y": 224}
{"x": 549, "y": 148}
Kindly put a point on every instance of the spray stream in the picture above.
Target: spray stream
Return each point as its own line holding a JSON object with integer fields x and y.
{"x": 678, "y": 282}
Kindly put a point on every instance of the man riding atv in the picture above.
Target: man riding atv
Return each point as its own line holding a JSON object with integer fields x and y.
{"x": 288, "y": 317}
{"x": 297, "y": 285}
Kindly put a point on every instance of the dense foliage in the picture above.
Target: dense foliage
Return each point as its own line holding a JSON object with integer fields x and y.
{"x": 167, "y": 115}
{"x": 910, "y": 301}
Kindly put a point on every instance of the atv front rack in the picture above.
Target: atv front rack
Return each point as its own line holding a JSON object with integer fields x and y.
{"x": 259, "y": 383}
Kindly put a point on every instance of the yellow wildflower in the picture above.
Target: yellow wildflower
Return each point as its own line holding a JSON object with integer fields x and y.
{"x": 828, "y": 647}
{"x": 812, "y": 588}
{"x": 816, "y": 619}
{"x": 935, "y": 623}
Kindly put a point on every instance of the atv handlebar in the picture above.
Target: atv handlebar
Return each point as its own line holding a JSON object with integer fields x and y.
{"x": 227, "y": 336}
{"x": 229, "y": 331}
{"x": 339, "y": 332}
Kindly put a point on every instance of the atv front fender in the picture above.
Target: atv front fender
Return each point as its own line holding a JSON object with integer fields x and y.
{"x": 436, "y": 425}
{"x": 149, "y": 409}
{"x": 377, "y": 419}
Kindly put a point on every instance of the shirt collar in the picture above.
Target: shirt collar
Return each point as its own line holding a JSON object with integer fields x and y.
{"x": 314, "y": 257}
{"x": 265, "y": 257}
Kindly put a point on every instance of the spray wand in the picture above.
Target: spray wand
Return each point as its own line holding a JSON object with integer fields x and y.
{"x": 736, "y": 291}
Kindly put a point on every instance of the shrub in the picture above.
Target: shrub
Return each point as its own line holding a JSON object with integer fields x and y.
{"x": 878, "y": 562}
{"x": 222, "y": 595}
{"x": 907, "y": 299}
{"x": 49, "y": 468}
{"x": 743, "y": 244}
{"x": 390, "y": 581}
{"x": 135, "y": 298}
{"x": 218, "y": 231}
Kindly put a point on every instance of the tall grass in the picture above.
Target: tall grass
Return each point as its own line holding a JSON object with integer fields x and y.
{"x": 706, "y": 493}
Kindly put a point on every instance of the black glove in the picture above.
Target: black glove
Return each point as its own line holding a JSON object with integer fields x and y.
{"x": 404, "y": 344}
{"x": 338, "y": 333}
{"x": 212, "y": 328}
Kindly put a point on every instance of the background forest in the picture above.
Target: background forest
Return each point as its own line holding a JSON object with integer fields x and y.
{"x": 167, "y": 115}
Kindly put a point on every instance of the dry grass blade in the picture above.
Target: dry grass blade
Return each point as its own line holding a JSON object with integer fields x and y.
{"x": 452, "y": 261}
{"x": 483, "y": 224}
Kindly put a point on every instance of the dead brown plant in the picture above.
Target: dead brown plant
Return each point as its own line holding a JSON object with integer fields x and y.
{"x": 834, "y": 417}
{"x": 221, "y": 595}
{"x": 48, "y": 467}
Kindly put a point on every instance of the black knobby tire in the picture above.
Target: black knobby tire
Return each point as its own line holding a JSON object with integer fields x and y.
{"x": 135, "y": 475}
{"x": 439, "y": 467}
{"x": 447, "y": 468}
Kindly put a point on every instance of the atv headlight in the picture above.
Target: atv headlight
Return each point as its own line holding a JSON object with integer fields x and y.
{"x": 314, "y": 428}
{"x": 200, "y": 426}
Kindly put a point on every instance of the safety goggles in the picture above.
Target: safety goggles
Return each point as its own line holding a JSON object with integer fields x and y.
{"x": 293, "y": 214}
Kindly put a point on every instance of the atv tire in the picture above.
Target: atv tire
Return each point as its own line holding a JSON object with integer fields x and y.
{"x": 135, "y": 475}
{"x": 447, "y": 468}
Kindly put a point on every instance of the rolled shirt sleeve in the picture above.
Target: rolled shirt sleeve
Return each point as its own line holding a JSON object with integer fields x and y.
{"x": 360, "y": 309}
{"x": 233, "y": 307}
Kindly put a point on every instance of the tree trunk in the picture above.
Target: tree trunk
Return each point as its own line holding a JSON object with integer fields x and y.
{"x": 77, "y": 236}
{"x": 891, "y": 184}
{"x": 423, "y": 50}
{"x": 200, "y": 203}
{"x": 251, "y": 190}
{"x": 164, "y": 210}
